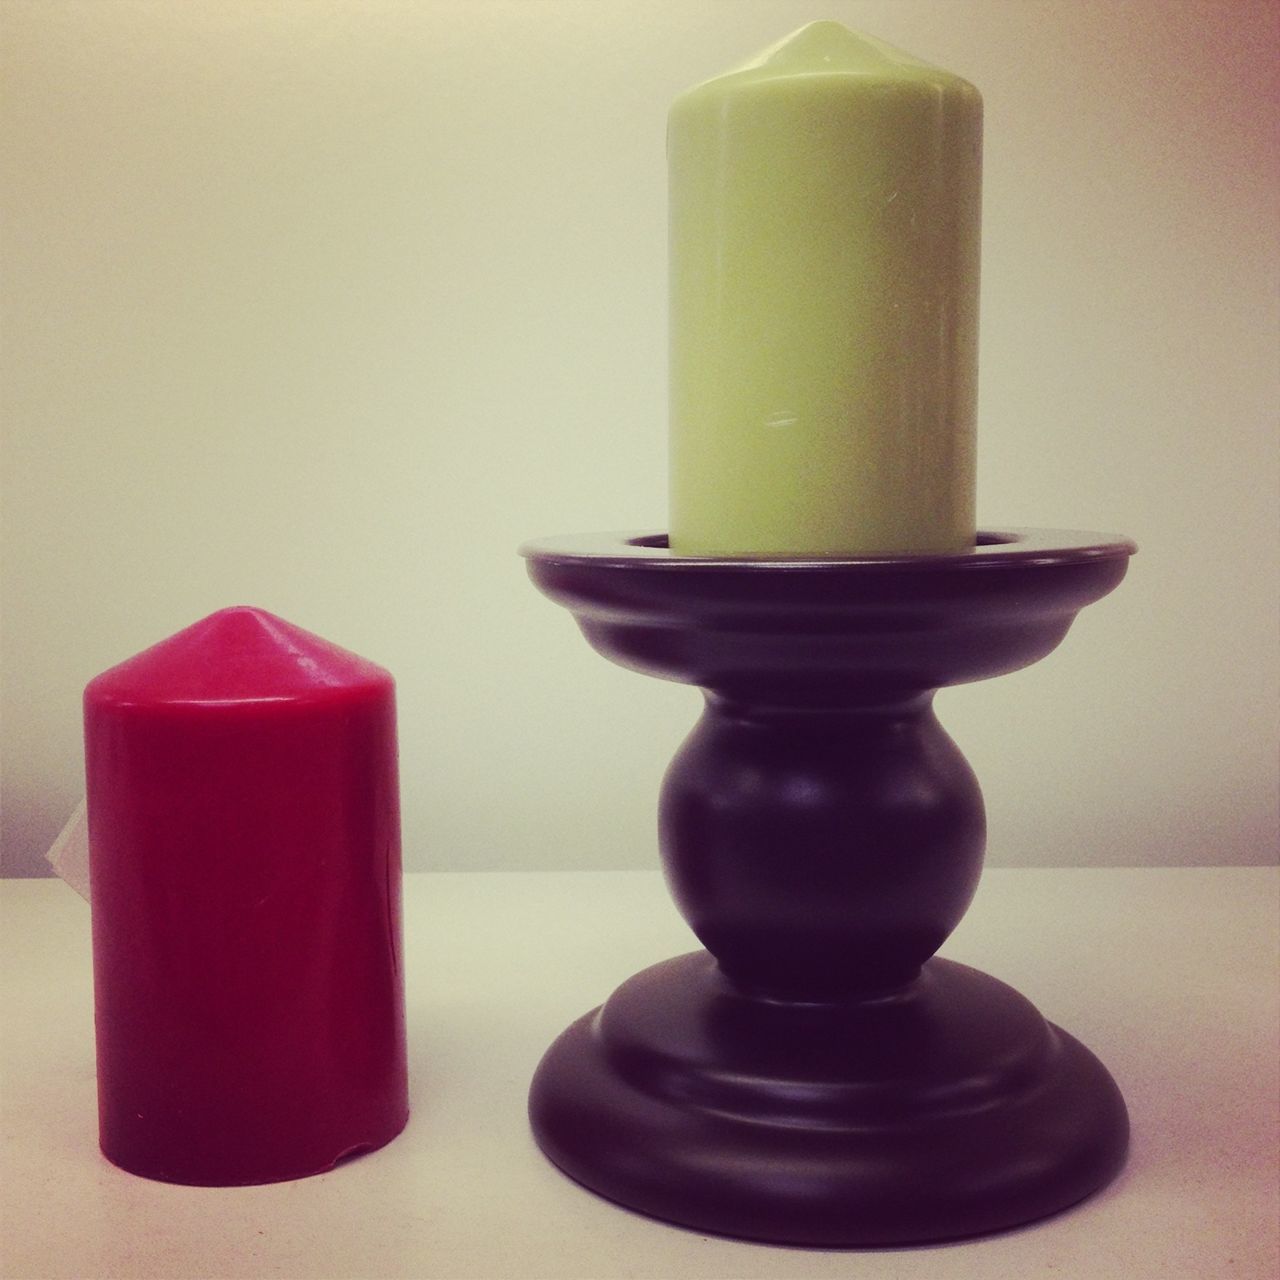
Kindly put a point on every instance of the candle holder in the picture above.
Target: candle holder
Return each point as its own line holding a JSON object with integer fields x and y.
{"x": 815, "y": 1077}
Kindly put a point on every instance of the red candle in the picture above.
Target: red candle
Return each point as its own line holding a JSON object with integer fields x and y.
{"x": 244, "y": 835}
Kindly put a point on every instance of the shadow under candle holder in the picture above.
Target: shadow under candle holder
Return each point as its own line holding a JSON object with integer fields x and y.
{"x": 817, "y": 1076}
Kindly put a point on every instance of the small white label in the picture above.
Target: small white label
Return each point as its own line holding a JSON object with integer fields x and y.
{"x": 69, "y": 854}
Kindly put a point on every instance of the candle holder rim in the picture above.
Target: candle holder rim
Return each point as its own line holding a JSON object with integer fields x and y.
{"x": 993, "y": 548}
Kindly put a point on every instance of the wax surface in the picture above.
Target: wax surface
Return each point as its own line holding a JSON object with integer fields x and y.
{"x": 824, "y": 241}
{"x": 245, "y": 856}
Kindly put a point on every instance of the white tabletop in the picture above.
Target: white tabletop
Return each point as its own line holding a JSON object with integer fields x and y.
{"x": 1170, "y": 976}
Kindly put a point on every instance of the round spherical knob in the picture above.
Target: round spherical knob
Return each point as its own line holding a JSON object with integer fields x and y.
{"x": 816, "y": 853}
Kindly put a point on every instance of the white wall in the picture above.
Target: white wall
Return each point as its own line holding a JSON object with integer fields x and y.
{"x": 325, "y": 306}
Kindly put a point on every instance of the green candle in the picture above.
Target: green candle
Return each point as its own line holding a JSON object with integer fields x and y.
{"x": 825, "y": 203}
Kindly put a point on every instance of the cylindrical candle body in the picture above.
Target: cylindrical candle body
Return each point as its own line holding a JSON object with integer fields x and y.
{"x": 245, "y": 866}
{"x": 824, "y": 226}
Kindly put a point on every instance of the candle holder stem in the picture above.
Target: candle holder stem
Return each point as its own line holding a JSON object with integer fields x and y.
{"x": 816, "y": 1076}
{"x": 821, "y": 852}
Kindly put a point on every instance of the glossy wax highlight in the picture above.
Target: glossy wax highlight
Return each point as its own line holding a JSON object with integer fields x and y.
{"x": 824, "y": 242}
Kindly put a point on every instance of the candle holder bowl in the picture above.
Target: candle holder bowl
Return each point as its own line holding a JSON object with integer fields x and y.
{"x": 816, "y": 1076}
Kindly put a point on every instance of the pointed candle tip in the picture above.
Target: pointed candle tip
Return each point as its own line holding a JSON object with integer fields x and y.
{"x": 828, "y": 47}
{"x": 239, "y": 654}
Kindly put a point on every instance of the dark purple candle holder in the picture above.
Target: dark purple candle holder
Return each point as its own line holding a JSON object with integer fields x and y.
{"x": 815, "y": 1077}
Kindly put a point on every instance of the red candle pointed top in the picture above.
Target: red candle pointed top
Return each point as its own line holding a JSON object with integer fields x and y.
{"x": 236, "y": 655}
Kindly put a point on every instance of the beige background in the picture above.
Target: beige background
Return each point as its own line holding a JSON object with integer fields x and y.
{"x": 327, "y": 306}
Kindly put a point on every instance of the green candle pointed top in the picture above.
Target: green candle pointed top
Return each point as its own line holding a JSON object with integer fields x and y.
{"x": 825, "y": 201}
{"x": 825, "y": 48}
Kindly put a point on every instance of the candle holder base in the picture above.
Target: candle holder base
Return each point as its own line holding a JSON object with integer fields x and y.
{"x": 946, "y": 1109}
{"x": 816, "y": 1077}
